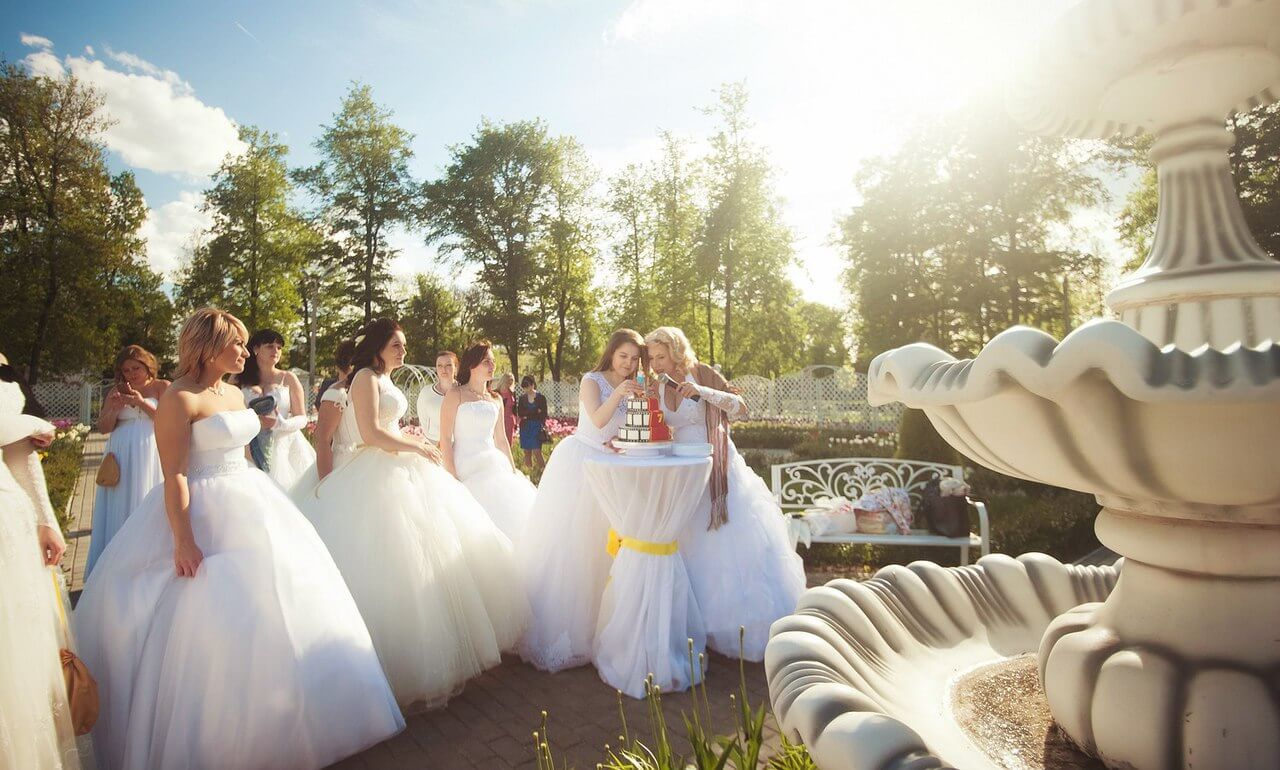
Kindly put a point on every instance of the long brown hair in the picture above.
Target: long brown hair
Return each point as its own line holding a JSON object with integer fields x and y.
{"x": 617, "y": 340}
{"x": 139, "y": 354}
{"x": 369, "y": 344}
{"x": 471, "y": 358}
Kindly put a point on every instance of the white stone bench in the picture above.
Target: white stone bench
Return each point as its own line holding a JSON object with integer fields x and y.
{"x": 797, "y": 486}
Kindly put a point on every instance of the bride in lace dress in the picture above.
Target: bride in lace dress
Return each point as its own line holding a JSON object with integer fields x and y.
{"x": 216, "y": 624}
{"x": 435, "y": 580}
{"x": 562, "y": 550}
{"x": 744, "y": 572}
{"x": 474, "y": 443}
{"x": 35, "y": 723}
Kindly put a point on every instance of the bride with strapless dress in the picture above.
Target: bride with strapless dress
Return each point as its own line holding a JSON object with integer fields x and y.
{"x": 745, "y": 573}
{"x": 562, "y": 551}
{"x": 133, "y": 442}
{"x": 259, "y": 660}
{"x": 505, "y": 493}
{"x": 435, "y": 580}
{"x": 289, "y": 453}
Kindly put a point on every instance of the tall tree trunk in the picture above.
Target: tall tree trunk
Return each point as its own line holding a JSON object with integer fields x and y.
{"x": 728, "y": 308}
{"x": 1066, "y": 304}
{"x": 711, "y": 330}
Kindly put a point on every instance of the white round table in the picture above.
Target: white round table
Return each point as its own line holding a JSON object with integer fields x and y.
{"x": 648, "y": 613}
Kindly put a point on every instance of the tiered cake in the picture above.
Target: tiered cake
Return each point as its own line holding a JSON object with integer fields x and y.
{"x": 637, "y": 427}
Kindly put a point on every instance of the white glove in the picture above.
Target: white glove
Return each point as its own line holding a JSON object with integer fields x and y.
{"x": 290, "y": 425}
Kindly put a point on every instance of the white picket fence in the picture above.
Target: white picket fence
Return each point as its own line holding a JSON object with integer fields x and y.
{"x": 823, "y": 394}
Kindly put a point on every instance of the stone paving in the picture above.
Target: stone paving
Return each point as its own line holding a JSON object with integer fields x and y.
{"x": 490, "y": 724}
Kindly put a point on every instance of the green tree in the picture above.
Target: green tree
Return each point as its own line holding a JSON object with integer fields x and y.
{"x": 491, "y": 210}
{"x": 1255, "y": 164}
{"x": 434, "y": 320}
{"x": 566, "y": 255}
{"x": 76, "y": 282}
{"x": 365, "y": 190}
{"x": 250, "y": 260}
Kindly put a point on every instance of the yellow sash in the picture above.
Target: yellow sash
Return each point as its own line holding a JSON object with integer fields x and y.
{"x": 615, "y": 542}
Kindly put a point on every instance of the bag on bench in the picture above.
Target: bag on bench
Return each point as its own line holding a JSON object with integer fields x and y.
{"x": 946, "y": 515}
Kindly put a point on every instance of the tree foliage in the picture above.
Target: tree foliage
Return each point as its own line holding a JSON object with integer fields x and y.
{"x": 76, "y": 285}
{"x": 959, "y": 235}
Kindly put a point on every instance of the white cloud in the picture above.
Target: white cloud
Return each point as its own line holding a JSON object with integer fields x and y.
{"x": 170, "y": 228}
{"x": 35, "y": 41}
{"x": 88, "y": 50}
{"x": 158, "y": 123}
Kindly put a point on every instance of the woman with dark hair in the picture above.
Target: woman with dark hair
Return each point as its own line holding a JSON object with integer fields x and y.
{"x": 216, "y": 624}
{"x": 131, "y": 460}
{"x": 285, "y": 452}
{"x": 562, "y": 551}
{"x": 341, "y": 364}
{"x": 330, "y": 451}
{"x": 532, "y": 411}
{"x": 473, "y": 440}
{"x": 432, "y": 575}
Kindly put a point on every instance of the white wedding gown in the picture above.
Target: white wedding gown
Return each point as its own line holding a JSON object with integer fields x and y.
{"x": 434, "y": 579}
{"x": 259, "y": 661}
{"x": 35, "y": 724}
{"x": 289, "y": 453}
{"x": 342, "y": 449}
{"x": 133, "y": 442}
{"x": 505, "y": 493}
{"x": 744, "y": 574}
{"x": 563, "y": 548}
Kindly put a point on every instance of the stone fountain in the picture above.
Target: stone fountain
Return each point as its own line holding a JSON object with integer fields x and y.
{"x": 1169, "y": 415}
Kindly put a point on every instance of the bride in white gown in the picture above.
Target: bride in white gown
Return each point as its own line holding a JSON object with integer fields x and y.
{"x": 216, "y": 624}
{"x": 743, "y": 569}
{"x": 35, "y": 721}
{"x": 434, "y": 579}
{"x": 475, "y": 446}
{"x": 284, "y": 446}
{"x": 563, "y": 548}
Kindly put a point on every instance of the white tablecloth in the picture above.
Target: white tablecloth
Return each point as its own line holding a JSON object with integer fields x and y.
{"x": 648, "y": 612}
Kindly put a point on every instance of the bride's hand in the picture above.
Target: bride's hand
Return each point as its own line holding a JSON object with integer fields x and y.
{"x": 429, "y": 452}
{"x": 631, "y": 388}
{"x": 52, "y": 546}
{"x": 186, "y": 559}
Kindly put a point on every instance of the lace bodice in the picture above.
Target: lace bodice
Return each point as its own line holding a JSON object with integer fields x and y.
{"x": 688, "y": 421}
{"x": 473, "y": 427}
{"x": 217, "y": 442}
{"x": 587, "y": 430}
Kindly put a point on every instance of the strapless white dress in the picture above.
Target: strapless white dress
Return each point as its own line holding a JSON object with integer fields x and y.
{"x": 289, "y": 453}
{"x": 744, "y": 574}
{"x": 505, "y": 493}
{"x": 259, "y": 661}
{"x": 563, "y": 549}
{"x": 435, "y": 580}
{"x": 133, "y": 442}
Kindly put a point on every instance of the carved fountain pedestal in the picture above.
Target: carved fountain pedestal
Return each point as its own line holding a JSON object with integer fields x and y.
{"x": 1170, "y": 416}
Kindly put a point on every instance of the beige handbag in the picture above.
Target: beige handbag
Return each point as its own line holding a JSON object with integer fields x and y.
{"x": 82, "y": 690}
{"x": 109, "y": 471}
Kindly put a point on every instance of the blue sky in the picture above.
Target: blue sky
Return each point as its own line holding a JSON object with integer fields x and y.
{"x": 832, "y": 83}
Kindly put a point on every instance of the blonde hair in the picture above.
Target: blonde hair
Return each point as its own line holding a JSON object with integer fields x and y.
{"x": 204, "y": 335}
{"x": 139, "y": 354}
{"x": 617, "y": 340}
{"x": 507, "y": 380}
{"x": 677, "y": 344}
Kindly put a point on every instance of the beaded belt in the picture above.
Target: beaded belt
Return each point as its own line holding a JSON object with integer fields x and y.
{"x": 218, "y": 469}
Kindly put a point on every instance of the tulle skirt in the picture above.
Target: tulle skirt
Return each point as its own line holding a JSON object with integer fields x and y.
{"x": 744, "y": 574}
{"x": 35, "y": 724}
{"x": 434, "y": 579}
{"x": 504, "y": 493}
{"x": 133, "y": 442}
{"x": 259, "y": 661}
{"x": 562, "y": 553}
{"x": 290, "y": 457}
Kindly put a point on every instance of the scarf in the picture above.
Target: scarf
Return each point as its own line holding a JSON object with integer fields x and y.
{"x": 718, "y": 436}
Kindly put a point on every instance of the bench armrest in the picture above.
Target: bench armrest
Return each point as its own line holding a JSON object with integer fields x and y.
{"x": 984, "y": 524}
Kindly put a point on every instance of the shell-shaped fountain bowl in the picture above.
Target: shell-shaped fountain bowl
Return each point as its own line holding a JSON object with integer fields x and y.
{"x": 1158, "y": 430}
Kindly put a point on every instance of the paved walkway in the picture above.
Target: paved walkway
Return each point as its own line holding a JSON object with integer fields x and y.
{"x": 490, "y": 724}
